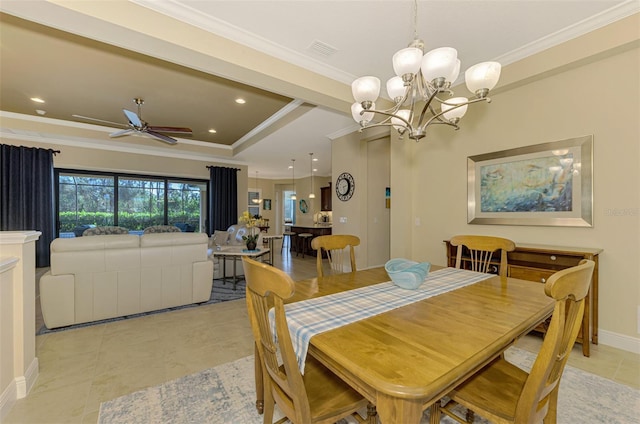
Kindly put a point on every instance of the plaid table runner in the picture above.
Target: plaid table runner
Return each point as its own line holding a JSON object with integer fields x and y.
{"x": 313, "y": 316}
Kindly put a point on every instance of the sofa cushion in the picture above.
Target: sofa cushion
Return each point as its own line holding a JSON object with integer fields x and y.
{"x": 95, "y": 243}
{"x": 107, "y": 230}
{"x": 172, "y": 239}
{"x": 162, "y": 229}
{"x": 220, "y": 238}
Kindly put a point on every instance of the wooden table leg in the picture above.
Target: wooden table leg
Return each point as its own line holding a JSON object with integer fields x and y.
{"x": 259, "y": 382}
{"x": 434, "y": 413}
{"x": 395, "y": 410}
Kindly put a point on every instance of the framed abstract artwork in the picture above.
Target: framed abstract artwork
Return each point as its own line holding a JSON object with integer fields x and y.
{"x": 544, "y": 184}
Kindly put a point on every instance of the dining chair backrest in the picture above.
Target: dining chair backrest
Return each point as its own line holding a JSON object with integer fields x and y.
{"x": 337, "y": 247}
{"x": 481, "y": 250}
{"x": 569, "y": 288}
{"x": 268, "y": 287}
{"x": 505, "y": 394}
{"x": 322, "y": 397}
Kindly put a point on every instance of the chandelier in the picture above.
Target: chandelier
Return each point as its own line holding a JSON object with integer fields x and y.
{"x": 312, "y": 195}
{"x": 422, "y": 78}
{"x": 293, "y": 179}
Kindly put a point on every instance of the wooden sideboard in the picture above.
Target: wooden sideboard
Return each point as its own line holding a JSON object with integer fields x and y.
{"x": 536, "y": 262}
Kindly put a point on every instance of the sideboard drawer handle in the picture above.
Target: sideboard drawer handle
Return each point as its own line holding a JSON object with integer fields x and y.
{"x": 553, "y": 257}
{"x": 544, "y": 280}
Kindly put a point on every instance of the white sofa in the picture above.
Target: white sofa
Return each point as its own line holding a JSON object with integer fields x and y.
{"x": 108, "y": 276}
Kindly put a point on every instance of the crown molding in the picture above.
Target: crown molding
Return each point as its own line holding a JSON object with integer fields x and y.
{"x": 182, "y": 12}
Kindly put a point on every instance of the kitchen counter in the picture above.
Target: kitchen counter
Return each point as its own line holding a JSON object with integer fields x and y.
{"x": 313, "y": 226}
{"x": 315, "y": 229}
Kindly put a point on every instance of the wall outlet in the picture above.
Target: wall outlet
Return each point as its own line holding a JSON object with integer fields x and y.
{"x": 343, "y": 219}
{"x": 417, "y": 222}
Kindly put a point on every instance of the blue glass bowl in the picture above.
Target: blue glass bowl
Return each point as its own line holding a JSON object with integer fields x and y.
{"x": 407, "y": 274}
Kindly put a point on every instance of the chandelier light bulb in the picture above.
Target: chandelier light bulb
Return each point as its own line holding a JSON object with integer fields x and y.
{"x": 364, "y": 118}
{"x": 456, "y": 72}
{"x": 399, "y": 124}
{"x": 395, "y": 89}
{"x": 457, "y": 113}
{"x": 407, "y": 61}
{"x": 439, "y": 63}
{"x": 366, "y": 89}
{"x": 483, "y": 76}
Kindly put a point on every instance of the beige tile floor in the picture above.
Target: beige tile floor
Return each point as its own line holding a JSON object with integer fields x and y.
{"x": 81, "y": 368}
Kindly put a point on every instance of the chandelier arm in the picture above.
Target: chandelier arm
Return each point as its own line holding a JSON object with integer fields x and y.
{"x": 427, "y": 105}
{"x": 389, "y": 115}
{"x": 388, "y": 124}
{"x": 437, "y": 116}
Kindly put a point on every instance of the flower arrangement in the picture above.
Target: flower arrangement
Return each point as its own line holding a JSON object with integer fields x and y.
{"x": 250, "y": 221}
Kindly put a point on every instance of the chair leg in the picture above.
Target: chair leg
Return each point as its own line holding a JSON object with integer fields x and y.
{"x": 372, "y": 414}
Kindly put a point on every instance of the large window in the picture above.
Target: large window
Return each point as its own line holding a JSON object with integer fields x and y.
{"x": 130, "y": 201}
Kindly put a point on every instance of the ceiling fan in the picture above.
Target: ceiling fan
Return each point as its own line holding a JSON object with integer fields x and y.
{"x": 137, "y": 125}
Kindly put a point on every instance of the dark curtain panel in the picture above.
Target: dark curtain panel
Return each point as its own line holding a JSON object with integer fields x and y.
{"x": 223, "y": 198}
{"x": 26, "y": 194}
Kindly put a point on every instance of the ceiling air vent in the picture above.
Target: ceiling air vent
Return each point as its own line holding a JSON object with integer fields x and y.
{"x": 322, "y": 49}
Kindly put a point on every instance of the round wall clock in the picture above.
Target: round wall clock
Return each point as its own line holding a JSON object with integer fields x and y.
{"x": 345, "y": 186}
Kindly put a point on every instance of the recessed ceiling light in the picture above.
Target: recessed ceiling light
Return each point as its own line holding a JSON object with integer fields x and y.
{"x": 240, "y": 101}
{"x": 315, "y": 159}
{"x": 212, "y": 131}
{"x": 41, "y": 112}
{"x": 37, "y": 100}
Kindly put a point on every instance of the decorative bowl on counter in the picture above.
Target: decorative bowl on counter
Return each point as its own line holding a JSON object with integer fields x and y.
{"x": 407, "y": 274}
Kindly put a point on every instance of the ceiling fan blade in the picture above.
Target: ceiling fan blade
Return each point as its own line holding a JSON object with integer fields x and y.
{"x": 121, "y": 133}
{"x": 133, "y": 118}
{"x": 100, "y": 120}
{"x": 161, "y": 137}
{"x": 177, "y": 130}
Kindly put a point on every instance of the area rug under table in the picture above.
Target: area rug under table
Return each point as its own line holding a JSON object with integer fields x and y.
{"x": 226, "y": 394}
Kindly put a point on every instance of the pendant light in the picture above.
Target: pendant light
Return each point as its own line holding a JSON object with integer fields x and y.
{"x": 293, "y": 179}
{"x": 256, "y": 200}
{"x": 312, "y": 195}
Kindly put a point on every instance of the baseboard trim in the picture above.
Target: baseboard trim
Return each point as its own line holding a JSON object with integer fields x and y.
{"x": 25, "y": 383}
{"x": 619, "y": 341}
{"x": 7, "y": 400}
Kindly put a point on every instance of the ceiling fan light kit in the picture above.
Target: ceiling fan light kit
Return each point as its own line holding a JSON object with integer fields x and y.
{"x": 421, "y": 78}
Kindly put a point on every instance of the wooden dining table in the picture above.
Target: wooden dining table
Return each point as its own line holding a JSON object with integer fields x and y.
{"x": 405, "y": 359}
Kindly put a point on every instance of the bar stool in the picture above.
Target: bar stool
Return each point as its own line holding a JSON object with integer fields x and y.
{"x": 287, "y": 237}
{"x": 302, "y": 240}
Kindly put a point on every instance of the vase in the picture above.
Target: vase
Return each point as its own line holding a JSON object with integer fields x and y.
{"x": 251, "y": 245}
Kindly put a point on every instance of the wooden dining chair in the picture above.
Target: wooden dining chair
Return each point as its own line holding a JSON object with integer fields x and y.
{"x": 502, "y": 392}
{"x": 336, "y": 247}
{"x": 481, "y": 250}
{"x": 318, "y": 396}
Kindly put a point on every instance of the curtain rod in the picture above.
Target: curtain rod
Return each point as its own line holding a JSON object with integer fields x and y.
{"x": 212, "y": 166}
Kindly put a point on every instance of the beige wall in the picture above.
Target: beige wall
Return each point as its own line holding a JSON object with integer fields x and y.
{"x": 366, "y": 157}
{"x": 596, "y": 94}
